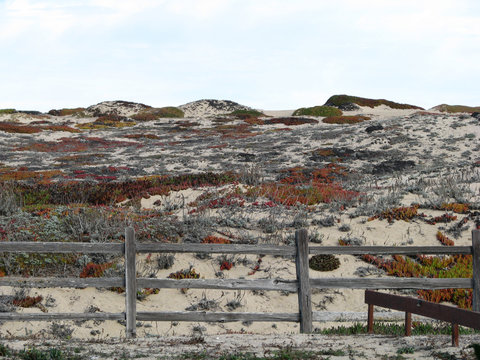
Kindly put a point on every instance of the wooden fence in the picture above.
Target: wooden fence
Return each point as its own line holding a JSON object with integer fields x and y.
{"x": 302, "y": 285}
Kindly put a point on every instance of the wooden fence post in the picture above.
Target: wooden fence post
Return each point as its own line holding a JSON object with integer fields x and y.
{"x": 408, "y": 323}
{"x": 130, "y": 283}
{"x": 370, "y": 319}
{"x": 303, "y": 278}
{"x": 476, "y": 269}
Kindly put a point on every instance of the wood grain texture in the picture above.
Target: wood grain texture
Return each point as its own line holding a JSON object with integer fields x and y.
{"x": 390, "y": 283}
{"x": 216, "y": 249}
{"x": 42, "y": 282}
{"x": 216, "y": 316}
{"x": 224, "y": 284}
{"x": 60, "y": 316}
{"x": 61, "y": 247}
{"x": 303, "y": 278}
{"x": 130, "y": 283}
{"x": 390, "y": 250}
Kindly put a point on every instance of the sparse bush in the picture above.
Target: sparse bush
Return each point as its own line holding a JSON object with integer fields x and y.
{"x": 351, "y": 241}
{"x": 269, "y": 224}
{"x": 204, "y": 304}
{"x": 61, "y": 331}
{"x": 165, "y": 261}
{"x": 236, "y": 302}
{"x": 326, "y": 221}
{"x": 9, "y": 200}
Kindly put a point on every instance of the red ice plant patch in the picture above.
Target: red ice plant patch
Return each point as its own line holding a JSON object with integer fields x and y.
{"x": 27, "y": 301}
{"x": 215, "y": 240}
{"x": 306, "y": 187}
{"x": 94, "y": 270}
{"x": 456, "y": 266}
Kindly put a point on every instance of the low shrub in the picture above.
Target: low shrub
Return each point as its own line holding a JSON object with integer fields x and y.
{"x": 159, "y": 113}
{"x": 7, "y": 111}
{"x": 318, "y": 111}
{"x": 324, "y": 262}
{"x": 244, "y": 114}
{"x": 67, "y": 112}
{"x": 19, "y": 129}
{"x": 345, "y": 100}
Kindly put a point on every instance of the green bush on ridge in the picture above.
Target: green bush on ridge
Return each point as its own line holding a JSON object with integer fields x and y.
{"x": 318, "y": 111}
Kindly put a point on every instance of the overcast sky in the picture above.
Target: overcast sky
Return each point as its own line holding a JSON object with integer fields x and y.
{"x": 270, "y": 54}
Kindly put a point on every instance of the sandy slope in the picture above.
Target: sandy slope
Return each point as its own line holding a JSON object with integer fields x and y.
{"x": 297, "y": 147}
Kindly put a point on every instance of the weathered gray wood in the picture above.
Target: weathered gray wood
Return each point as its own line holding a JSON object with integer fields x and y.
{"x": 216, "y": 316}
{"x": 130, "y": 283}
{"x": 66, "y": 247}
{"x": 61, "y": 247}
{"x": 9, "y": 316}
{"x": 224, "y": 284}
{"x": 390, "y": 250}
{"x": 476, "y": 270}
{"x": 41, "y": 282}
{"x": 390, "y": 283}
{"x": 304, "y": 293}
{"x": 216, "y": 248}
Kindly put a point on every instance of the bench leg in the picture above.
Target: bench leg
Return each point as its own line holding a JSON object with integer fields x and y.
{"x": 370, "y": 319}
{"x": 455, "y": 335}
{"x": 408, "y": 324}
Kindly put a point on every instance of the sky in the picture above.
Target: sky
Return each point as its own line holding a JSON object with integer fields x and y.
{"x": 267, "y": 54}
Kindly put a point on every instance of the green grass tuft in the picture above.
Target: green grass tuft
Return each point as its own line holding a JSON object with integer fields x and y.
{"x": 395, "y": 329}
{"x": 318, "y": 111}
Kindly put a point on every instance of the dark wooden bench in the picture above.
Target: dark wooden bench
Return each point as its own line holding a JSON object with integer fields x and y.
{"x": 410, "y": 305}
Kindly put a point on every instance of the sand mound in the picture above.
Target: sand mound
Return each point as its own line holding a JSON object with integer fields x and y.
{"x": 211, "y": 107}
{"x": 117, "y": 107}
{"x": 455, "y": 108}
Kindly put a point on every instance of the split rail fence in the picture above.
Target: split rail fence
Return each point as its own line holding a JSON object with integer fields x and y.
{"x": 302, "y": 285}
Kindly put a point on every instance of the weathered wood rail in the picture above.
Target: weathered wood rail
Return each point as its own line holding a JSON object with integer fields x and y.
{"x": 302, "y": 285}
